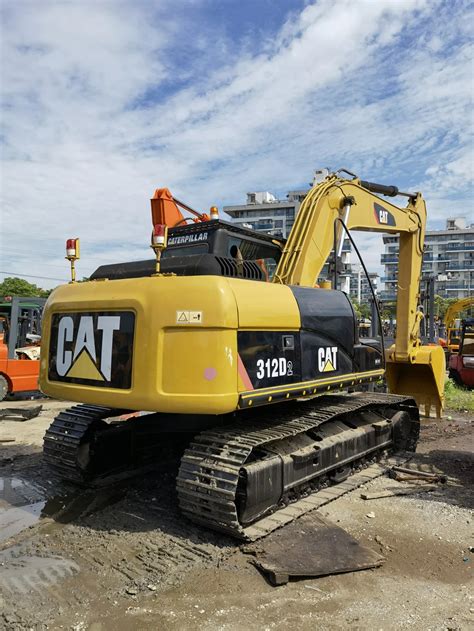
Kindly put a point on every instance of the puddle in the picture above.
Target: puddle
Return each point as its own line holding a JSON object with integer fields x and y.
{"x": 22, "y": 504}
{"x": 14, "y": 520}
{"x": 72, "y": 505}
{"x": 17, "y": 492}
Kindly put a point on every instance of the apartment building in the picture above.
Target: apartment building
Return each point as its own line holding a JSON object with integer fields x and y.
{"x": 265, "y": 213}
{"x": 448, "y": 257}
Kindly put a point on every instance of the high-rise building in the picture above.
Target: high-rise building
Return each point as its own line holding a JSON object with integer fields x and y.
{"x": 448, "y": 257}
{"x": 265, "y": 213}
{"x": 359, "y": 285}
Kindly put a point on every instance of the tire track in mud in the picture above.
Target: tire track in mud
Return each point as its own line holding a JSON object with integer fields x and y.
{"x": 137, "y": 545}
{"x": 136, "y": 559}
{"x": 23, "y": 571}
{"x": 100, "y": 552}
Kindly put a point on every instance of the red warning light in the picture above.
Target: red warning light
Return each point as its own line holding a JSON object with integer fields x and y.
{"x": 72, "y": 247}
{"x": 159, "y": 234}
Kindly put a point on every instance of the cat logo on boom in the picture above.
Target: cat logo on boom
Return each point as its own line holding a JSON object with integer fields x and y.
{"x": 383, "y": 216}
{"x": 327, "y": 358}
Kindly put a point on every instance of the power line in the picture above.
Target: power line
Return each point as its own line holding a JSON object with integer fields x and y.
{"x": 15, "y": 260}
{"x": 12, "y": 254}
{"x": 62, "y": 280}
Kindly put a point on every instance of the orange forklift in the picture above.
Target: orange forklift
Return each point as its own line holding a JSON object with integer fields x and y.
{"x": 20, "y": 336}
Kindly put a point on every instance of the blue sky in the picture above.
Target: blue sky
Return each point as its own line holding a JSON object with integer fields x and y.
{"x": 102, "y": 102}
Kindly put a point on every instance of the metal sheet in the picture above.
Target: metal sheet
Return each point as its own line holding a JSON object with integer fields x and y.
{"x": 311, "y": 546}
{"x": 20, "y": 414}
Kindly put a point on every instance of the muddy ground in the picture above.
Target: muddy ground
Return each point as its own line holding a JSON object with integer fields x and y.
{"x": 122, "y": 558}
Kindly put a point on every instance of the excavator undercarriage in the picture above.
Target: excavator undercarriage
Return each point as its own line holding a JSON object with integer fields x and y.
{"x": 250, "y": 472}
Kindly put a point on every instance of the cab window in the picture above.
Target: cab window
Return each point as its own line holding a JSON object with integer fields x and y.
{"x": 266, "y": 256}
{"x": 185, "y": 250}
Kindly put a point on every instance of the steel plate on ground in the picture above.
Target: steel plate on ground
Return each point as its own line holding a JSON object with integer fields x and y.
{"x": 311, "y": 546}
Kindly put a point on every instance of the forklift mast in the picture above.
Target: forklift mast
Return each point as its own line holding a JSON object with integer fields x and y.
{"x": 24, "y": 317}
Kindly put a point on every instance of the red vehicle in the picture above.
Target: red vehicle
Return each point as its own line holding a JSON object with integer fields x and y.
{"x": 20, "y": 334}
{"x": 461, "y": 364}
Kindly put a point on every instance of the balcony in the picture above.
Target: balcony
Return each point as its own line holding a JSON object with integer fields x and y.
{"x": 468, "y": 247}
{"x": 387, "y": 296}
{"x": 459, "y": 266}
{"x": 389, "y": 258}
{"x": 388, "y": 279}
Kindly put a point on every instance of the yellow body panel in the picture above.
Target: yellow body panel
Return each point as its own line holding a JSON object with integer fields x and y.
{"x": 178, "y": 367}
{"x": 261, "y": 307}
{"x": 170, "y": 360}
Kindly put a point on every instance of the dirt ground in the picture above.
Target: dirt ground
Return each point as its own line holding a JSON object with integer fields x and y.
{"x": 122, "y": 558}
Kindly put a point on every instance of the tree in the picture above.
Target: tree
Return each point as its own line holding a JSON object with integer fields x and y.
{"x": 13, "y": 286}
{"x": 362, "y": 310}
{"x": 388, "y": 311}
{"x": 441, "y": 305}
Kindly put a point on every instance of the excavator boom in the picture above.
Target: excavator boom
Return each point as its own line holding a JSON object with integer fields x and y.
{"x": 411, "y": 368}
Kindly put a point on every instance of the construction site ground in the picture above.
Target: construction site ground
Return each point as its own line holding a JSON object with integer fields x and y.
{"x": 123, "y": 558}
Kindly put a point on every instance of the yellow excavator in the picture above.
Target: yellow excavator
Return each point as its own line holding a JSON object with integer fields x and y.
{"x": 453, "y": 323}
{"x": 225, "y": 336}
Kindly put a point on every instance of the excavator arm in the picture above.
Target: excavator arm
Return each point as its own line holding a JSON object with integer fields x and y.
{"x": 411, "y": 368}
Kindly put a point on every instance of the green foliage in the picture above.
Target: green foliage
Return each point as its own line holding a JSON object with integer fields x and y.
{"x": 13, "y": 286}
{"x": 458, "y": 398}
{"x": 362, "y": 310}
{"x": 441, "y": 305}
{"x": 388, "y": 311}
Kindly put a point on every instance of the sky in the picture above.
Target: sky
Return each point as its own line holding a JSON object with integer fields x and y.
{"x": 103, "y": 101}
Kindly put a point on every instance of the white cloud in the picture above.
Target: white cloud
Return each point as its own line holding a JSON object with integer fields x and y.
{"x": 95, "y": 120}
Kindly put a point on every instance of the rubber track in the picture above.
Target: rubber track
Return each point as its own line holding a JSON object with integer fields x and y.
{"x": 65, "y": 434}
{"x": 209, "y": 473}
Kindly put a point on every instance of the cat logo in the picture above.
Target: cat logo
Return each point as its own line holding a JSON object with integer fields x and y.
{"x": 383, "y": 216}
{"x": 93, "y": 348}
{"x": 327, "y": 359}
